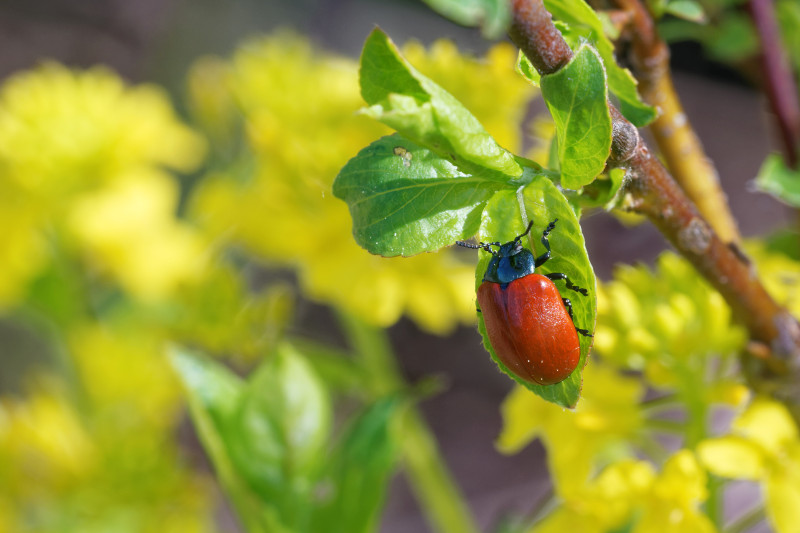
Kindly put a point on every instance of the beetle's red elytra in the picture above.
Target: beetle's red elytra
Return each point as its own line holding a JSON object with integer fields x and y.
{"x": 529, "y": 324}
{"x": 530, "y": 329}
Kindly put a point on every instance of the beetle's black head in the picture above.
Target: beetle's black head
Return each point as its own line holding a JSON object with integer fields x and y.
{"x": 509, "y": 262}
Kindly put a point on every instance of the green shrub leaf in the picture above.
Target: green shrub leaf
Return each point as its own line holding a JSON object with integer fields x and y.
{"x": 267, "y": 436}
{"x": 779, "y": 180}
{"x": 502, "y": 222}
{"x": 686, "y": 10}
{"x": 214, "y": 394}
{"x": 405, "y": 199}
{"x": 404, "y": 99}
{"x": 358, "y": 472}
{"x": 491, "y": 15}
{"x": 282, "y": 426}
{"x": 582, "y": 19}
{"x": 578, "y": 101}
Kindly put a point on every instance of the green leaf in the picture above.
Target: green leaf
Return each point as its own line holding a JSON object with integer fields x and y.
{"x": 214, "y": 393}
{"x": 577, "y": 98}
{"x": 687, "y": 10}
{"x": 404, "y": 99}
{"x": 543, "y": 202}
{"x": 279, "y": 433}
{"x": 492, "y": 16}
{"x": 526, "y": 69}
{"x": 359, "y": 471}
{"x": 621, "y": 82}
{"x": 602, "y": 192}
{"x": 405, "y": 199}
{"x": 735, "y": 38}
{"x": 780, "y": 181}
{"x": 267, "y": 437}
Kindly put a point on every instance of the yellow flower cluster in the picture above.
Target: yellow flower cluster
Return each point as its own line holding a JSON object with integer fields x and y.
{"x": 75, "y": 470}
{"x": 299, "y": 108}
{"x": 85, "y": 190}
{"x": 81, "y": 159}
{"x": 630, "y": 496}
{"x": 606, "y": 422}
{"x": 667, "y": 322}
{"x": 764, "y": 446}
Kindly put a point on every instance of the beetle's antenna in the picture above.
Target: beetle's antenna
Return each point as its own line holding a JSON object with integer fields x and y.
{"x": 521, "y": 235}
{"x": 479, "y": 246}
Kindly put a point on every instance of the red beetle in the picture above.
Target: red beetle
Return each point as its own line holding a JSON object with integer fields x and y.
{"x": 529, "y": 324}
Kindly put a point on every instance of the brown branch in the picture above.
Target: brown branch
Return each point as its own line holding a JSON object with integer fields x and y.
{"x": 674, "y": 135}
{"x": 779, "y": 84}
{"x": 650, "y": 190}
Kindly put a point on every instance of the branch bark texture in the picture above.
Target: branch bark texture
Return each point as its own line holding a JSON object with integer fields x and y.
{"x": 672, "y": 131}
{"x": 651, "y": 191}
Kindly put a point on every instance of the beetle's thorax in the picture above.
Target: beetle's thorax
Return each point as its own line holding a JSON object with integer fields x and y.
{"x": 512, "y": 261}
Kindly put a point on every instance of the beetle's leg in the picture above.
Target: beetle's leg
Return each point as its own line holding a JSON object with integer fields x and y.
{"x": 568, "y": 305}
{"x": 558, "y": 275}
{"x": 542, "y": 259}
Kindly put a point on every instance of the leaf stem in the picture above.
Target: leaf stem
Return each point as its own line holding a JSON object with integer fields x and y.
{"x": 651, "y": 191}
{"x": 746, "y": 521}
{"x": 437, "y": 493}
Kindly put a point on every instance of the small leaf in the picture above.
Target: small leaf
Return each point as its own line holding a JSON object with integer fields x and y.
{"x": 576, "y": 96}
{"x": 280, "y": 430}
{"x": 583, "y": 19}
{"x": 777, "y": 179}
{"x": 405, "y": 199}
{"x": 734, "y": 39}
{"x": 603, "y": 192}
{"x": 491, "y": 15}
{"x": 359, "y": 471}
{"x": 526, "y": 69}
{"x": 214, "y": 394}
{"x": 543, "y": 203}
{"x": 687, "y": 10}
{"x": 404, "y": 99}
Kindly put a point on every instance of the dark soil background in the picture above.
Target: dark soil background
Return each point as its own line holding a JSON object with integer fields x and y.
{"x": 156, "y": 40}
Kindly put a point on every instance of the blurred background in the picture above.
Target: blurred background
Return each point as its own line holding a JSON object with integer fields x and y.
{"x": 126, "y": 224}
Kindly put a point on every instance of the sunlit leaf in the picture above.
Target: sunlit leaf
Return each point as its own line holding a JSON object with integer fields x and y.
{"x": 582, "y": 19}
{"x": 577, "y": 98}
{"x": 404, "y": 99}
{"x": 491, "y": 15}
{"x": 405, "y": 199}
{"x": 358, "y": 472}
{"x": 779, "y": 180}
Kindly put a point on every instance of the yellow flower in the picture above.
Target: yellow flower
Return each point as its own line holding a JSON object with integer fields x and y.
{"x": 780, "y": 274}
{"x": 43, "y": 442}
{"x": 603, "y": 424}
{"x": 667, "y": 322}
{"x": 629, "y": 496}
{"x": 71, "y": 136}
{"x": 125, "y": 373}
{"x": 23, "y": 250}
{"x": 63, "y": 130}
{"x": 279, "y": 203}
{"x": 764, "y": 446}
{"x": 129, "y": 228}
